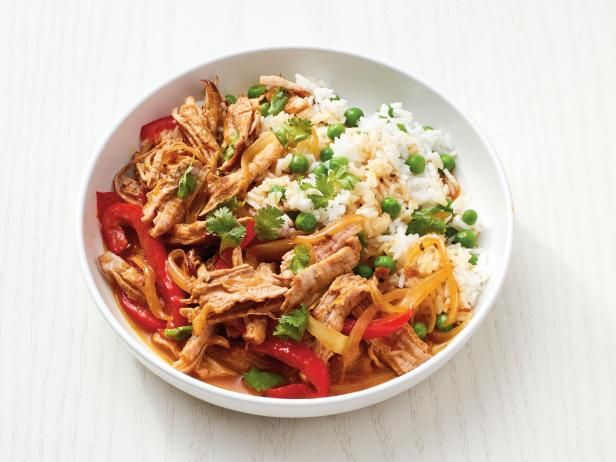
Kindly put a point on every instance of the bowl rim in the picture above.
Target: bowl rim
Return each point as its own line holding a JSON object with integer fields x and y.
{"x": 172, "y": 376}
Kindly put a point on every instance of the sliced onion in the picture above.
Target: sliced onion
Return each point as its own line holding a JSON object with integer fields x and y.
{"x": 151, "y": 296}
{"x": 330, "y": 230}
{"x": 351, "y": 352}
{"x": 330, "y": 338}
{"x": 177, "y": 275}
{"x": 381, "y": 301}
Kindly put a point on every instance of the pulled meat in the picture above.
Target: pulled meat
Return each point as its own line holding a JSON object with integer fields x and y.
{"x": 228, "y": 186}
{"x": 227, "y": 288}
{"x": 295, "y": 105}
{"x": 129, "y": 279}
{"x": 164, "y": 208}
{"x": 196, "y": 127}
{"x": 402, "y": 350}
{"x": 256, "y": 330}
{"x": 308, "y": 284}
{"x": 190, "y": 234}
{"x": 347, "y": 292}
{"x": 212, "y": 107}
{"x": 241, "y": 128}
{"x": 276, "y": 81}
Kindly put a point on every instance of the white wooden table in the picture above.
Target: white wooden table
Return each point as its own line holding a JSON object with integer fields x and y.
{"x": 537, "y": 381}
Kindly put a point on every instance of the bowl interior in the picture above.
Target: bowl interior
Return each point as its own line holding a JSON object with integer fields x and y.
{"x": 364, "y": 83}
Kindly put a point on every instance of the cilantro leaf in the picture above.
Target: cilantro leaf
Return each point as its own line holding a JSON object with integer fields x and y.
{"x": 260, "y": 380}
{"x": 268, "y": 221}
{"x": 278, "y": 189}
{"x": 402, "y": 128}
{"x": 390, "y": 110}
{"x": 293, "y": 325}
{"x": 427, "y": 220}
{"x": 278, "y": 102}
{"x": 187, "y": 183}
{"x": 293, "y": 131}
{"x": 301, "y": 258}
{"x": 319, "y": 201}
{"x": 223, "y": 223}
{"x": 341, "y": 177}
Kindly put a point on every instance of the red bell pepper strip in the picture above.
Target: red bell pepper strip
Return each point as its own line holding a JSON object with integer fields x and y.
{"x": 224, "y": 259}
{"x": 298, "y": 356}
{"x": 379, "y": 327}
{"x": 153, "y": 250}
{"x": 139, "y": 314}
{"x": 152, "y": 130}
{"x": 104, "y": 200}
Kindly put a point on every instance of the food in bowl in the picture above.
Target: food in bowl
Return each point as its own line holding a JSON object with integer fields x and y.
{"x": 284, "y": 244}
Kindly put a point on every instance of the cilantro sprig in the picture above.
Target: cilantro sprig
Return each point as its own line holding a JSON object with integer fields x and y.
{"x": 429, "y": 220}
{"x": 301, "y": 258}
{"x": 260, "y": 380}
{"x": 293, "y": 325}
{"x": 187, "y": 183}
{"x": 268, "y": 221}
{"x": 278, "y": 102}
{"x": 329, "y": 184}
{"x": 293, "y": 131}
{"x": 223, "y": 223}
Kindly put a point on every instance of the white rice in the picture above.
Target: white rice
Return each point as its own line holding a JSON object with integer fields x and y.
{"x": 376, "y": 150}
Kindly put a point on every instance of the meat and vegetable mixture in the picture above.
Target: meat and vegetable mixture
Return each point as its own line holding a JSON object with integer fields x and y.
{"x": 282, "y": 243}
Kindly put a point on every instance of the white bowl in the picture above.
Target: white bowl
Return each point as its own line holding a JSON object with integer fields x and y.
{"x": 364, "y": 82}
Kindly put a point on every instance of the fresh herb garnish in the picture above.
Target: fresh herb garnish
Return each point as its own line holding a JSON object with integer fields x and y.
{"x": 293, "y": 325}
{"x": 187, "y": 183}
{"x": 223, "y": 223}
{"x": 402, "y": 128}
{"x": 301, "y": 258}
{"x": 329, "y": 184}
{"x": 293, "y": 131}
{"x": 268, "y": 221}
{"x": 261, "y": 380}
{"x": 428, "y": 220}
{"x": 278, "y": 102}
{"x": 390, "y": 110}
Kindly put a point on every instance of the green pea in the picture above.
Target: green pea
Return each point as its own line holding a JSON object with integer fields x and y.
{"x": 352, "y": 116}
{"x": 469, "y": 217}
{"x": 265, "y": 108}
{"x": 299, "y": 164}
{"x": 326, "y": 154}
{"x": 337, "y": 162}
{"x": 450, "y": 232}
{"x": 386, "y": 262}
{"x": 230, "y": 99}
{"x": 306, "y": 222}
{"x": 420, "y": 329}
{"x": 473, "y": 260}
{"x": 335, "y": 130}
{"x": 466, "y": 238}
{"x": 416, "y": 163}
{"x": 448, "y": 162}
{"x": 320, "y": 169}
{"x": 441, "y": 323}
{"x": 364, "y": 271}
{"x": 391, "y": 206}
{"x": 255, "y": 91}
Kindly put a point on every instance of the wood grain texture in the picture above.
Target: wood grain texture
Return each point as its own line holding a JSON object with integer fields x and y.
{"x": 536, "y": 382}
